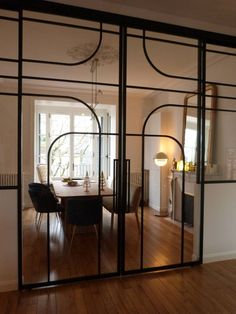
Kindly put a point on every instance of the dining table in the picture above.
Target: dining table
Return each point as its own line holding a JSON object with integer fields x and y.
{"x": 63, "y": 190}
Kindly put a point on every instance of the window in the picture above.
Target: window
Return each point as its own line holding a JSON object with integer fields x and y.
{"x": 71, "y": 155}
{"x": 190, "y": 139}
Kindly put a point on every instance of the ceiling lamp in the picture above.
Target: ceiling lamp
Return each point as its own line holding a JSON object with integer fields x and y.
{"x": 104, "y": 56}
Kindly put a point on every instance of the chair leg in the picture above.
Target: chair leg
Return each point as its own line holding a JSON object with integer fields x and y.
{"x": 136, "y": 215}
{"x": 112, "y": 220}
{"x": 96, "y": 230}
{"x": 57, "y": 217}
{"x": 72, "y": 236}
{"x": 36, "y": 218}
{"x": 39, "y": 221}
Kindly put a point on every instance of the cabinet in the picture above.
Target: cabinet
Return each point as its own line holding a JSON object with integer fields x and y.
{"x": 176, "y": 197}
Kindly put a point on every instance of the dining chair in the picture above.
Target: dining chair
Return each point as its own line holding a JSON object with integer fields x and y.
{"x": 134, "y": 197}
{"x": 42, "y": 173}
{"x": 44, "y": 201}
{"x": 84, "y": 211}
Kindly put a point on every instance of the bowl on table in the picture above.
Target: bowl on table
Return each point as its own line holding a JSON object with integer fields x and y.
{"x": 72, "y": 183}
{"x": 65, "y": 180}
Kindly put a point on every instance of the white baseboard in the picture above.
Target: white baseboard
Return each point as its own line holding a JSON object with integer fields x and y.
{"x": 159, "y": 211}
{"x": 9, "y": 285}
{"x": 216, "y": 257}
{"x": 154, "y": 205}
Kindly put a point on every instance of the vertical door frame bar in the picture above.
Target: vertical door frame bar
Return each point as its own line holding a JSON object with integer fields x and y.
{"x": 121, "y": 191}
{"x": 202, "y": 112}
{"x": 123, "y": 21}
{"x": 19, "y": 147}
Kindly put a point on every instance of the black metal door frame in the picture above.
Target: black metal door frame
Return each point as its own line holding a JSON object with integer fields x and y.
{"x": 123, "y": 22}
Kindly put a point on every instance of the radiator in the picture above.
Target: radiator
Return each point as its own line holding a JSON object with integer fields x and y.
{"x": 8, "y": 179}
{"x": 136, "y": 178}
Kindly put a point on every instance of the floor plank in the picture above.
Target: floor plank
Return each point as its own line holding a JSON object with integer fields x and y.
{"x": 162, "y": 246}
{"x": 208, "y": 288}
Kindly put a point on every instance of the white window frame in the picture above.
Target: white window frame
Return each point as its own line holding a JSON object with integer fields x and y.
{"x": 72, "y": 109}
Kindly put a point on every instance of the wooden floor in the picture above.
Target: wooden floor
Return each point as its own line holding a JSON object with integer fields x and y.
{"x": 162, "y": 246}
{"x": 209, "y": 288}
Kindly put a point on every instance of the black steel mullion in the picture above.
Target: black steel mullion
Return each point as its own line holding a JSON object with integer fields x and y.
{"x": 117, "y": 19}
{"x": 159, "y": 71}
{"x": 48, "y": 247}
{"x": 199, "y": 99}
{"x": 8, "y": 59}
{"x": 220, "y": 84}
{"x": 9, "y": 94}
{"x": 122, "y": 148}
{"x": 71, "y": 63}
{"x": 9, "y": 77}
{"x": 67, "y": 25}
{"x": 202, "y": 147}
{"x": 183, "y": 178}
{"x": 221, "y": 52}
{"x": 27, "y": 77}
{"x": 19, "y": 149}
{"x": 99, "y": 192}
{"x": 182, "y": 212}
{"x": 158, "y": 89}
{"x": 117, "y": 85}
{"x": 42, "y": 6}
{"x": 168, "y": 41}
{"x": 8, "y": 18}
{"x": 133, "y": 22}
{"x": 142, "y": 194}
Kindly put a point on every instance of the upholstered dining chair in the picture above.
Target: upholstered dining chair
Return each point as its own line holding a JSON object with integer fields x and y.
{"x": 42, "y": 173}
{"x": 84, "y": 211}
{"x": 134, "y": 193}
{"x": 44, "y": 201}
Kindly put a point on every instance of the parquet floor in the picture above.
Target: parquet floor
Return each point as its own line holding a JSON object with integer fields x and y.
{"x": 162, "y": 246}
{"x": 209, "y": 288}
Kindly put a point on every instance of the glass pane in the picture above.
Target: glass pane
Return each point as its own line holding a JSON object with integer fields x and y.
{"x": 42, "y": 140}
{"x": 59, "y": 124}
{"x": 60, "y": 159}
{"x": 83, "y": 146}
{"x": 34, "y": 246}
{"x": 83, "y": 123}
{"x": 8, "y": 141}
{"x": 78, "y": 151}
{"x": 83, "y": 155}
{"x": 162, "y": 210}
{"x": 60, "y": 154}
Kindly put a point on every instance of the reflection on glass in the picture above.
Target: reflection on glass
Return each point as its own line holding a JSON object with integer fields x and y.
{"x": 190, "y": 140}
{"x": 190, "y": 125}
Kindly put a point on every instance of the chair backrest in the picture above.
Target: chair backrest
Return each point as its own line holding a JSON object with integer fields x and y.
{"x": 42, "y": 173}
{"x": 84, "y": 211}
{"x": 42, "y": 198}
{"x": 134, "y": 197}
{"x": 133, "y": 200}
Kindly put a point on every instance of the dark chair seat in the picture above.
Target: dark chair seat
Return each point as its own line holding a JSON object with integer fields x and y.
{"x": 44, "y": 201}
{"x": 84, "y": 211}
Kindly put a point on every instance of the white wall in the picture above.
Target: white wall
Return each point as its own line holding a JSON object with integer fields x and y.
{"x": 134, "y": 123}
{"x": 220, "y": 222}
{"x": 8, "y": 131}
{"x": 152, "y": 146}
{"x": 8, "y": 240}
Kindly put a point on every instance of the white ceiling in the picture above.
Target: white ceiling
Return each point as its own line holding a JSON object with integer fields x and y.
{"x": 50, "y": 44}
{"x": 214, "y": 15}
